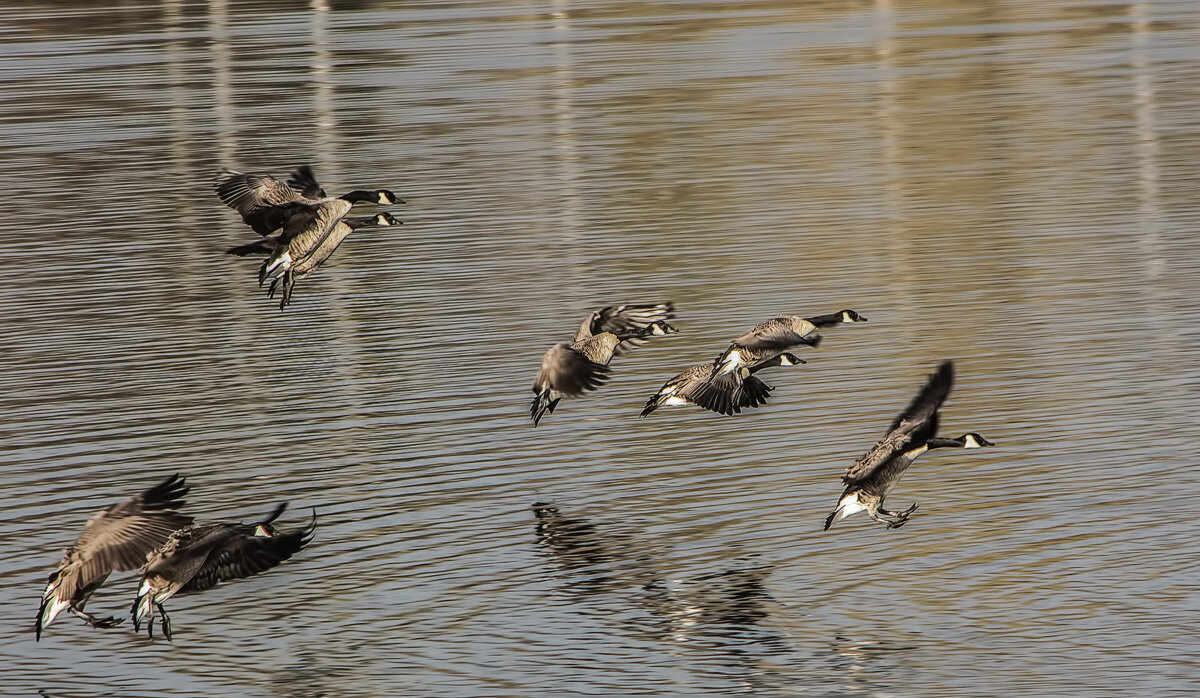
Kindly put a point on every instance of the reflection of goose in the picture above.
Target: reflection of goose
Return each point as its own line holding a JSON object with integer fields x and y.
{"x": 717, "y": 606}
{"x": 914, "y": 432}
{"x": 261, "y": 199}
{"x": 571, "y": 369}
{"x": 115, "y": 539}
{"x": 200, "y": 556}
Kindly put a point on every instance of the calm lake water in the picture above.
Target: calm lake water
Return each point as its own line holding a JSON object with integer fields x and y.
{"x": 1011, "y": 184}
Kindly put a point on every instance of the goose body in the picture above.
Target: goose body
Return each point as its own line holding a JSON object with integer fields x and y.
{"x": 115, "y": 539}
{"x": 724, "y": 393}
{"x": 198, "y": 557}
{"x": 765, "y": 341}
{"x": 572, "y": 368}
{"x": 262, "y": 200}
{"x": 912, "y": 433}
{"x": 291, "y": 258}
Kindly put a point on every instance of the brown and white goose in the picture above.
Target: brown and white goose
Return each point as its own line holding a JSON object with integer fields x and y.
{"x": 200, "y": 556}
{"x": 261, "y": 199}
{"x": 115, "y": 539}
{"x": 573, "y": 368}
{"x": 912, "y": 433}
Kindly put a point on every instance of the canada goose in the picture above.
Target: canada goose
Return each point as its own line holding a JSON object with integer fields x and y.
{"x": 198, "y": 557}
{"x": 726, "y": 393}
{"x": 912, "y": 433}
{"x": 115, "y": 539}
{"x": 570, "y": 369}
{"x": 766, "y": 341}
{"x": 298, "y": 256}
{"x": 260, "y": 198}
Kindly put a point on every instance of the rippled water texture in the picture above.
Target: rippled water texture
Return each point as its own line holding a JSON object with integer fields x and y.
{"x": 1011, "y": 184}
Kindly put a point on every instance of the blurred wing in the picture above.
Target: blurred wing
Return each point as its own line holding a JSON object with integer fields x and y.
{"x": 916, "y": 424}
{"x": 621, "y": 319}
{"x": 927, "y": 402}
{"x": 247, "y": 555}
{"x": 569, "y": 372}
{"x": 304, "y": 181}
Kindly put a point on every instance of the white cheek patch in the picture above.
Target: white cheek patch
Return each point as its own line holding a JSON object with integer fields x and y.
{"x": 971, "y": 442}
{"x": 383, "y": 199}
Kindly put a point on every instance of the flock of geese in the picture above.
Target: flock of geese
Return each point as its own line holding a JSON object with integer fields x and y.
{"x": 300, "y": 227}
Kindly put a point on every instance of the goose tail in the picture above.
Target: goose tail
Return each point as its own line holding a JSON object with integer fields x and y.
{"x": 543, "y": 403}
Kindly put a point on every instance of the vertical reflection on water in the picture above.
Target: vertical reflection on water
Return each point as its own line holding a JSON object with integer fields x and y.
{"x": 1146, "y": 148}
{"x": 719, "y": 615}
{"x": 326, "y": 137}
{"x": 222, "y": 81}
{"x": 565, "y": 143}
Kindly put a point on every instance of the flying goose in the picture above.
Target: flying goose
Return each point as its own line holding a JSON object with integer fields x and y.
{"x": 114, "y": 540}
{"x": 198, "y": 557}
{"x": 570, "y": 369}
{"x": 726, "y": 393}
{"x": 261, "y": 199}
{"x": 300, "y": 255}
{"x": 765, "y": 341}
{"x": 912, "y": 433}
{"x": 727, "y": 384}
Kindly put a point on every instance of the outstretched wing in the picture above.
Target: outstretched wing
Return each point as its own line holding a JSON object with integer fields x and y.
{"x": 915, "y": 425}
{"x": 622, "y": 319}
{"x": 119, "y": 537}
{"x": 778, "y": 333}
{"x": 253, "y": 196}
{"x": 247, "y": 555}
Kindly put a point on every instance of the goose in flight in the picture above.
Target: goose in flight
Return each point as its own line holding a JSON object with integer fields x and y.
{"x": 198, "y": 557}
{"x": 572, "y": 368}
{"x": 912, "y": 433}
{"x": 262, "y": 200}
{"x": 114, "y": 540}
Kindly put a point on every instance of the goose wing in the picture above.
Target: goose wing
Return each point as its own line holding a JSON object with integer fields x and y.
{"x": 623, "y": 319}
{"x": 120, "y": 537}
{"x": 777, "y": 333}
{"x": 253, "y": 196}
{"x": 914, "y": 426}
{"x": 566, "y": 370}
{"x": 304, "y": 181}
{"x": 244, "y": 554}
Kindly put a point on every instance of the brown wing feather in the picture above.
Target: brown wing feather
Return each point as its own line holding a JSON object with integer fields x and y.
{"x": 569, "y": 372}
{"x": 120, "y": 537}
{"x": 621, "y": 319}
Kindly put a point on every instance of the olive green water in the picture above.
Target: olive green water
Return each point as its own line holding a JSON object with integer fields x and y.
{"x": 1010, "y": 184}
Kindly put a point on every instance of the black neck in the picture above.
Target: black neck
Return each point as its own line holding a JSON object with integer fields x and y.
{"x": 944, "y": 443}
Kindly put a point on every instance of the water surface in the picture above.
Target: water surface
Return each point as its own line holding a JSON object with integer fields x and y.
{"x": 1010, "y": 184}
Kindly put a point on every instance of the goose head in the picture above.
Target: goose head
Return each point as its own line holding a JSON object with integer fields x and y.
{"x": 973, "y": 440}
{"x": 851, "y": 316}
{"x": 659, "y": 328}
